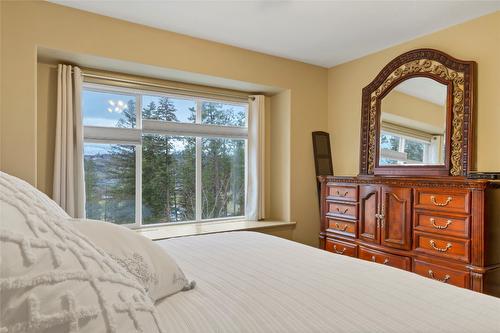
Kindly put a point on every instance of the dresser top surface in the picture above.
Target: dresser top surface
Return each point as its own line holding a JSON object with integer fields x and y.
{"x": 459, "y": 182}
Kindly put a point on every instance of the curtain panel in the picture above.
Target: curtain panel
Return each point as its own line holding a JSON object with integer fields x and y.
{"x": 68, "y": 187}
{"x": 255, "y": 207}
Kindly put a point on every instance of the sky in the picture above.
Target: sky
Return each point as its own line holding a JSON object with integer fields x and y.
{"x": 106, "y": 109}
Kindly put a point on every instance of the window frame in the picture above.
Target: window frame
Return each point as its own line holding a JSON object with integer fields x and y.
{"x": 198, "y": 130}
{"x": 401, "y": 148}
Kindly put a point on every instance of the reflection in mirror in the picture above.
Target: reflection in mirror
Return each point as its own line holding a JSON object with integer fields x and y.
{"x": 413, "y": 123}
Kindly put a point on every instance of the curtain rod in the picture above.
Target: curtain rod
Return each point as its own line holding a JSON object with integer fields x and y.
{"x": 96, "y": 76}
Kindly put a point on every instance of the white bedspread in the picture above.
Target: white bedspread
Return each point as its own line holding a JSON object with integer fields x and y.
{"x": 251, "y": 282}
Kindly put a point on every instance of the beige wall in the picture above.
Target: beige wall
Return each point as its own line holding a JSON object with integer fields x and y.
{"x": 301, "y": 109}
{"x": 46, "y": 125}
{"x": 477, "y": 40}
{"x": 415, "y": 109}
{"x": 312, "y": 98}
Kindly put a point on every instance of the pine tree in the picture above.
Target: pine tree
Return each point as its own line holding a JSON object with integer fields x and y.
{"x": 93, "y": 207}
{"x": 120, "y": 208}
{"x": 169, "y": 170}
{"x": 186, "y": 176}
{"x": 159, "y": 192}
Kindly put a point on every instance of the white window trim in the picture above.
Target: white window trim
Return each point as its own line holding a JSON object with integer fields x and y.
{"x": 400, "y": 155}
{"x": 133, "y": 136}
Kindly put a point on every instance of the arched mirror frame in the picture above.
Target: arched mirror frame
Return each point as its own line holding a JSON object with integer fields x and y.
{"x": 458, "y": 76}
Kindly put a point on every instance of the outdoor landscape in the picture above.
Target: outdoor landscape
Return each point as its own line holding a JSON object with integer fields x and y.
{"x": 168, "y": 169}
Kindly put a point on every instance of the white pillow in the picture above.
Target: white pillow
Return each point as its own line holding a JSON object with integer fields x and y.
{"x": 148, "y": 262}
{"x": 53, "y": 279}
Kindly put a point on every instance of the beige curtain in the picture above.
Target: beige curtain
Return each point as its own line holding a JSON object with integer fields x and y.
{"x": 256, "y": 153}
{"x": 69, "y": 190}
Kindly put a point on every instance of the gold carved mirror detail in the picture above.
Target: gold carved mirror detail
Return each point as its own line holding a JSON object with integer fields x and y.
{"x": 394, "y": 141}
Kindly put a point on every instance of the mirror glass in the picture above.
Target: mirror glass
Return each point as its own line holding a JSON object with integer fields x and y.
{"x": 413, "y": 123}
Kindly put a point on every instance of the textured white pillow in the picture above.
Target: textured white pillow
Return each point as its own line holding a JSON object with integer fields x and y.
{"x": 53, "y": 279}
{"x": 148, "y": 262}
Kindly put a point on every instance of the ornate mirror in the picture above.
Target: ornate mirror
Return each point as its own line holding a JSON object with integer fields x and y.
{"x": 417, "y": 117}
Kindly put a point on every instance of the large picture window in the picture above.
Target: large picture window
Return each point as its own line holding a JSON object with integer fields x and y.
{"x": 153, "y": 158}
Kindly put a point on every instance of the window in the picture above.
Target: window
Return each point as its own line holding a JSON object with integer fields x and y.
{"x": 152, "y": 158}
{"x": 401, "y": 149}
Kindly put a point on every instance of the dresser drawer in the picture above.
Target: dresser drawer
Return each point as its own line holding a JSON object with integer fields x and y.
{"x": 446, "y": 201}
{"x": 343, "y": 192}
{"x": 441, "y": 273}
{"x": 384, "y": 258}
{"x": 445, "y": 247}
{"x": 340, "y": 247}
{"x": 342, "y": 227}
{"x": 343, "y": 210}
{"x": 442, "y": 224}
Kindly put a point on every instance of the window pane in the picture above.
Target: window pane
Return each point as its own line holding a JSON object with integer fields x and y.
{"x": 108, "y": 109}
{"x": 414, "y": 150}
{"x": 389, "y": 141}
{"x": 168, "y": 178}
{"x": 223, "y": 178}
{"x": 214, "y": 113}
{"x": 384, "y": 161}
{"x": 110, "y": 182}
{"x": 168, "y": 109}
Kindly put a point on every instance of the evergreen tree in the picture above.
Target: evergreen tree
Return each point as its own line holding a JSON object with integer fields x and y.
{"x": 159, "y": 193}
{"x": 169, "y": 170}
{"x": 120, "y": 207}
{"x": 223, "y": 166}
{"x": 185, "y": 178}
{"x": 93, "y": 207}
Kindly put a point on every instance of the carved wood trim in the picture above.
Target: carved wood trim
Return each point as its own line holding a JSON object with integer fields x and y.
{"x": 448, "y": 182}
{"x": 457, "y": 74}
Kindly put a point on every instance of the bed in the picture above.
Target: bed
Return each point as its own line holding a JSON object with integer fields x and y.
{"x": 59, "y": 275}
{"x": 252, "y": 282}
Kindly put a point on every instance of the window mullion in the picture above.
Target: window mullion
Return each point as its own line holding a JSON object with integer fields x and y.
{"x": 198, "y": 165}
{"x": 138, "y": 111}
{"x": 138, "y": 185}
{"x": 138, "y": 163}
{"x": 198, "y": 179}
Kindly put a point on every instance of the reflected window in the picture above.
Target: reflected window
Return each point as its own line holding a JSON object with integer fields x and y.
{"x": 413, "y": 123}
{"x": 403, "y": 150}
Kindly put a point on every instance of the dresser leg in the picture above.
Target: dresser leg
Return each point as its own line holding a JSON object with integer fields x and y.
{"x": 322, "y": 242}
{"x": 476, "y": 282}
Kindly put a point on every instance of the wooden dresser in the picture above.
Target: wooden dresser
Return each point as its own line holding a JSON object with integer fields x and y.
{"x": 446, "y": 228}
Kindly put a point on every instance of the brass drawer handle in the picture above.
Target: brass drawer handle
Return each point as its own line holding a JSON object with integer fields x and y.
{"x": 337, "y": 251}
{"x": 386, "y": 260}
{"x": 441, "y": 227}
{"x": 443, "y": 204}
{"x": 338, "y": 227}
{"x": 445, "y": 279}
{"x": 433, "y": 245}
{"x": 342, "y": 212}
{"x": 342, "y": 195}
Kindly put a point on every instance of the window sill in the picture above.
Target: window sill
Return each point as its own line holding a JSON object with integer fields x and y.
{"x": 181, "y": 230}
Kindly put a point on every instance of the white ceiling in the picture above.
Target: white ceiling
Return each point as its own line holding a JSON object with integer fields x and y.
{"x": 324, "y": 33}
{"x": 424, "y": 88}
